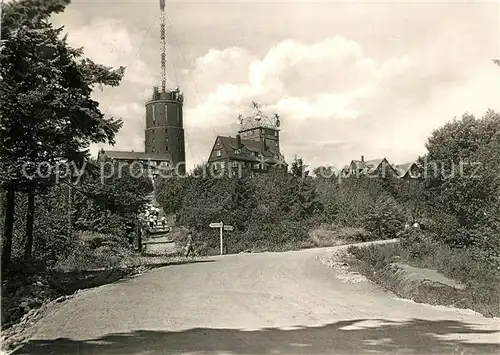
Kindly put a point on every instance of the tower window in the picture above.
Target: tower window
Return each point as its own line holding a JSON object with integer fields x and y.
{"x": 166, "y": 131}
{"x": 153, "y": 149}
{"x": 166, "y": 147}
{"x": 154, "y": 113}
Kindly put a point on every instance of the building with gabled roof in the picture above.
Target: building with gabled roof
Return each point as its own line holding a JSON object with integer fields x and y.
{"x": 409, "y": 170}
{"x": 375, "y": 168}
{"x": 381, "y": 168}
{"x": 151, "y": 163}
{"x": 255, "y": 149}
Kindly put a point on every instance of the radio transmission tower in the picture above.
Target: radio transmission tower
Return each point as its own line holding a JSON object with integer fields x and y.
{"x": 163, "y": 47}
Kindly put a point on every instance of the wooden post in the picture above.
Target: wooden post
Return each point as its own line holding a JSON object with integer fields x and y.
{"x": 221, "y": 227}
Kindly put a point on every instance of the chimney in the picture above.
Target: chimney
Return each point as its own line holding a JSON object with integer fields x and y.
{"x": 238, "y": 141}
{"x": 362, "y": 158}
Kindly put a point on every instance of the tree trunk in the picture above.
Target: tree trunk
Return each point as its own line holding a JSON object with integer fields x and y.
{"x": 139, "y": 238}
{"x": 8, "y": 226}
{"x": 30, "y": 216}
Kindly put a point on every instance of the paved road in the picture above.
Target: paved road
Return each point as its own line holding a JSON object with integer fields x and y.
{"x": 270, "y": 303}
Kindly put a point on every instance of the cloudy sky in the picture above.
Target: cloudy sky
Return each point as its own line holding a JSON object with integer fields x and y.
{"x": 348, "y": 79}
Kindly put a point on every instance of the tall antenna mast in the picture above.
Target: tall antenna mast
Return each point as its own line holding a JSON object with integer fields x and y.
{"x": 163, "y": 44}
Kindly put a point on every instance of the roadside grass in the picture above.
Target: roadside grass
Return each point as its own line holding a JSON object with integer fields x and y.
{"x": 480, "y": 275}
{"x": 327, "y": 235}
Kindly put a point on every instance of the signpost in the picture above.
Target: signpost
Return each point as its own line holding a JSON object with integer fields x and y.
{"x": 221, "y": 227}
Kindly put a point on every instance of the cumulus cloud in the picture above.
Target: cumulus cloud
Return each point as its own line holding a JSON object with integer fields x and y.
{"x": 109, "y": 42}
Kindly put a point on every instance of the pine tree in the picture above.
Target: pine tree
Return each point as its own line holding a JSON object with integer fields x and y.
{"x": 47, "y": 114}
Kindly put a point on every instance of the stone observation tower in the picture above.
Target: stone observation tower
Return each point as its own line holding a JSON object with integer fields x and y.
{"x": 164, "y": 132}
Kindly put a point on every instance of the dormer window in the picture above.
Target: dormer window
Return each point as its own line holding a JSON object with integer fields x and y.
{"x": 237, "y": 151}
{"x": 219, "y": 153}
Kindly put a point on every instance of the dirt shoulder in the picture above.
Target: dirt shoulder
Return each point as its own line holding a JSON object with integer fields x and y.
{"x": 387, "y": 266}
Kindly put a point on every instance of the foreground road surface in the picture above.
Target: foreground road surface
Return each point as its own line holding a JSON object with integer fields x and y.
{"x": 271, "y": 303}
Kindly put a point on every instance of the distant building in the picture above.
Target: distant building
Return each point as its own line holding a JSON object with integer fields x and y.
{"x": 152, "y": 164}
{"x": 374, "y": 168}
{"x": 409, "y": 171}
{"x": 255, "y": 149}
{"x": 381, "y": 168}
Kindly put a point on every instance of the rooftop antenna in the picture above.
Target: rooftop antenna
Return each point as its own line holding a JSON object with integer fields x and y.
{"x": 163, "y": 47}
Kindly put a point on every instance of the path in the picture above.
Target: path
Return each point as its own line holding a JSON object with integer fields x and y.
{"x": 269, "y": 303}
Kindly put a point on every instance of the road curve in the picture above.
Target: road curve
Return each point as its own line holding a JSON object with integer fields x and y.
{"x": 269, "y": 303}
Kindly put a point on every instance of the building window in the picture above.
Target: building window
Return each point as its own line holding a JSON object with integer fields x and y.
{"x": 166, "y": 147}
{"x": 166, "y": 131}
{"x": 237, "y": 151}
{"x": 276, "y": 133}
{"x": 219, "y": 153}
{"x": 234, "y": 164}
{"x": 153, "y": 149}
{"x": 154, "y": 113}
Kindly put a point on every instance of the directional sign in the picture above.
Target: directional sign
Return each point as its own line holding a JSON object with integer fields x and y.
{"x": 221, "y": 227}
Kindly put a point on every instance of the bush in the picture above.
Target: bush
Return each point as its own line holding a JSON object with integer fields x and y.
{"x": 94, "y": 251}
{"x": 385, "y": 218}
{"x": 417, "y": 244}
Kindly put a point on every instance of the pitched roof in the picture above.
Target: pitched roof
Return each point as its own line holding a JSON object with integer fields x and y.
{"x": 124, "y": 155}
{"x": 372, "y": 165}
{"x": 403, "y": 169}
{"x": 230, "y": 144}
